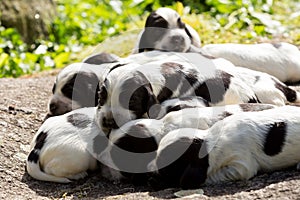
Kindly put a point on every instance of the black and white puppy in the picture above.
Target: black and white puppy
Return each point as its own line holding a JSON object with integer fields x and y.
{"x": 76, "y": 86}
{"x": 66, "y": 146}
{"x": 164, "y": 30}
{"x": 61, "y": 148}
{"x": 100, "y": 58}
{"x": 132, "y": 92}
{"x": 278, "y": 59}
{"x": 133, "y": 146}
{"x": 235, "y": 148}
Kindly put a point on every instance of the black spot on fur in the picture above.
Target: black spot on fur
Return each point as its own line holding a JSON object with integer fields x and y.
{"x": 133, "y": 152}
{"x": 171, "y": 72}
{"x": 102, "y": 94}
{"x": 253, "y": 100}
{"x": 213, "y": 89}
{"x": 155, "y": 28}
{"x": 101, "y": 58}
{"x": 257, "y": 78}
{"x": 275, "y": 138}
{"x": 33, "y": 156}
{"x": 137, "y": 95}
{"x": 289, "y": 93}
{"x": 82, "y": 88}
{"x": 117, "y": 66}
{"x": 100, "y": 142}
{"x": 175, "y": 77}
{"x": 79, "y": 120}
{"x": 40, "y": 140}
{"x": 175, "y": 108}
{"x": 168, "y": 67}
{"x": 138, "y": 139}
{"x": 189, "y": 79}
{"x": 224, "y": 115}
{"x": 249, "y": 107}
{"x": 189, "y": 170}
{"x": 276, "y": 45}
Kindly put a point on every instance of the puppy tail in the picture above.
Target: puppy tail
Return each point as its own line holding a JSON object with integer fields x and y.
{"x": 34, "y": 170}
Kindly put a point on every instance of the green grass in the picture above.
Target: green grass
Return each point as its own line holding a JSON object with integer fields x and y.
{"x": 85, "y": 27}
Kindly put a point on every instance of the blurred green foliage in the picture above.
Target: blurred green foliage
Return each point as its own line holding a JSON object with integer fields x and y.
{"x": 80, "y": 24}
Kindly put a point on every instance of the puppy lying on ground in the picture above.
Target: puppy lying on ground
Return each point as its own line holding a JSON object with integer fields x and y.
{"x": 60, "y": 148}
{"x": 236, "y": 148}
{"x": 76, "y": 86}
{"x": 281, "y": 60}
{"x": 165, "y": 31}
{"x": 130, "y": 92}
{"x": 134, "y": 144}
{"x": 66, "y": 146}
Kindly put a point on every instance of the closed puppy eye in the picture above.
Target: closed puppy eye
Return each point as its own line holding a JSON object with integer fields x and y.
{"x": 102, "y": 95}
{"x": 53, "y": 88}
{"x": 180, "y": 24}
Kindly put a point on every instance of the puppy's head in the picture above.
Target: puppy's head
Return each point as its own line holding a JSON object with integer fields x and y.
{"x": 76, "y": 86}
{"x": 164, "y": 30}
{"x": 181, "y": 160}
{"x": 123, "y": 97}
{"x": 132, "y": 147}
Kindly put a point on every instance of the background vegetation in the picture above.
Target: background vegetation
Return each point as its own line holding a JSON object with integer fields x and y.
{"x": 81, "y": 25}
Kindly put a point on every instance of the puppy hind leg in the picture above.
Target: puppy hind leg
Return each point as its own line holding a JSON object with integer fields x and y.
{"x": 231, "y": 173}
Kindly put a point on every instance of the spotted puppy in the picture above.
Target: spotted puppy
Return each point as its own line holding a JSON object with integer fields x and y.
{"x": 60, "y": 150}
{"x": 134, "y": 145}
{"x": 132, "y": 91}
{"x": 164, "y": 30}
{"x": 66, "y": 146}
{"x": 280, "y": 59}
{"x": 76, "y": 86}
{"x": 235, "y": 148}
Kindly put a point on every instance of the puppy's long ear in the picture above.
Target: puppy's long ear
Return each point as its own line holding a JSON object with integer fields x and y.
{"x": 195, "y": 173}
{"x": 137, "y": 95}
{"x": 155, "y": 28}
{"x": 85, "y": 89}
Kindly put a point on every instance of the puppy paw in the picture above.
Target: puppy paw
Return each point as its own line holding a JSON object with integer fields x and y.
{"x": 78, "y": 176}
{"x": 298, "y": 166}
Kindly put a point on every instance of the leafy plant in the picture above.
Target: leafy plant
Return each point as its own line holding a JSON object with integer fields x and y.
{"x": 82, "y": 24}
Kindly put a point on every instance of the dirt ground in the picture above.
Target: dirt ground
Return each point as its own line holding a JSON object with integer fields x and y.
{"x": 22, "y": 108}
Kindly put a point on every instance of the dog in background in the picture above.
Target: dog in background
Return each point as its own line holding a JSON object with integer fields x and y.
{"x": 278, "y": 59}
{"x": 165, "y": 31}
{"x": 131, "y": 91}
{"x": 235, "y": 148}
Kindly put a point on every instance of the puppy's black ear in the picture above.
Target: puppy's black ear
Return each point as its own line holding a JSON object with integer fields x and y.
{"x": 155, "y": 27}
{"x": 195, "y": 173}
{"x": 181, "y": 163}
{"x": 137, "y": 95}
{"x": 85, "y": 89}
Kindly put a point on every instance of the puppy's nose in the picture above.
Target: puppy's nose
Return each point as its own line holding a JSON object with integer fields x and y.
{"x": 52, "y": 107}
{"x": 178, "y": 39}
{"x": 109, "y": 122}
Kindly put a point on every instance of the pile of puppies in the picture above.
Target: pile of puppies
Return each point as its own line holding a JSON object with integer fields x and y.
{"x": 172, "y": 114}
